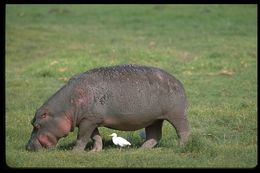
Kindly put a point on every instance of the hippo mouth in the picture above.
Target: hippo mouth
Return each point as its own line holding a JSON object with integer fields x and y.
{"x": 40, "y": 142}
{"x": 47, "y": 141}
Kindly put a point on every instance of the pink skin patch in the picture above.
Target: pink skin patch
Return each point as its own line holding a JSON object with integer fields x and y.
{"x": 64, "y": 124}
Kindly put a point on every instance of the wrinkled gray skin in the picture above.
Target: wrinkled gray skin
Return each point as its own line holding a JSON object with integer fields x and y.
{"x": 124, "y": 97}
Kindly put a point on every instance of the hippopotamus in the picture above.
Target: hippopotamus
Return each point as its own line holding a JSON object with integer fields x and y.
{"x": 121, "y": 97}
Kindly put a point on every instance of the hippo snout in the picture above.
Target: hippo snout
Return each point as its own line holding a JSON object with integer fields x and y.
{"x": 33, "y": 145}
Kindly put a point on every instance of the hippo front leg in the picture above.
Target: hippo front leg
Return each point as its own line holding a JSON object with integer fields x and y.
{"x": 86, "y": 128}
{"x": 97, "y": 141}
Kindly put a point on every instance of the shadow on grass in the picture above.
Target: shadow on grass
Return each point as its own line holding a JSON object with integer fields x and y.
{"x": 106, "y": 144}
{"x": 68, "y": 146}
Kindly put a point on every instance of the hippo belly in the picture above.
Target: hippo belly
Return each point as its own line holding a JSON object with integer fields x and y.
{"x": 128, "y": 122}
{"x": 131, "y": 105}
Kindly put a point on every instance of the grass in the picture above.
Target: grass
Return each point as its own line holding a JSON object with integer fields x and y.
{"x": 210, "y": 48}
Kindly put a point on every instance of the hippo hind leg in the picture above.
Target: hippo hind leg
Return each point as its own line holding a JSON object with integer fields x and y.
{"x": 97, "y": 146}
{"x": 153, "y": 134}
{"x": 180, "y": 123}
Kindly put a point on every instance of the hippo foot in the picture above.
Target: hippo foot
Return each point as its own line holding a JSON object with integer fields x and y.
{"x": 94, "y": 150}
{"x": 149, "y": 143}
{"x": 184, "y": 138}
{"x": 76, "y": 148}
{"x": 79, "y": 147}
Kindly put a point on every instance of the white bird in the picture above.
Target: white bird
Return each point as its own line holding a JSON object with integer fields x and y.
{"x": 119, "y": 140}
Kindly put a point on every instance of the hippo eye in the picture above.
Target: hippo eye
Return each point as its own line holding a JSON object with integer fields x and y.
{"x": 37, "y": 126}
{"x": 44, "y": 115}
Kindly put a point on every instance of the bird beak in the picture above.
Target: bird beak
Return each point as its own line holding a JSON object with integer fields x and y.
{"x": 111, "y": 135}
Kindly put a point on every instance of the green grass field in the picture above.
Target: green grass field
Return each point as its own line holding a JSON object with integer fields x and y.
{"x": 211, "y": 48}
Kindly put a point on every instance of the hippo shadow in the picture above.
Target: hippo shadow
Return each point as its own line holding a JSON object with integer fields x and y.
{"x": 106, "y": 145}
{"x": 69, "y": 146}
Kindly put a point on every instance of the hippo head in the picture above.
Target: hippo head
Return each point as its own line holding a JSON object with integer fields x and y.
{"x": 48, "y": 128}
